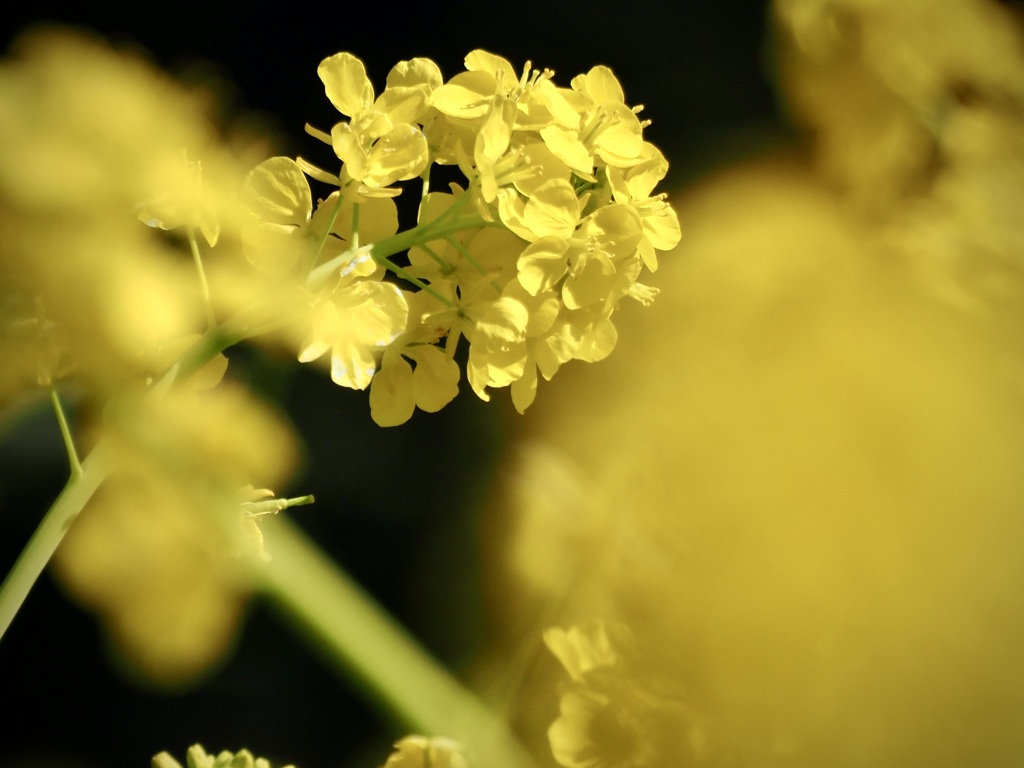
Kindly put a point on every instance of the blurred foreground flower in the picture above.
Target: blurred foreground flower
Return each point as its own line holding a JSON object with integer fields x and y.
{"x": 164, "y": 551}
{"x": 426, "y": 752}
{"x": 90, "y": 142}
{"x": 88, "y": 139}
{"x": 809, "y": 514}
{"x": 609, "y": 716}
{"x": 916, "y": 111}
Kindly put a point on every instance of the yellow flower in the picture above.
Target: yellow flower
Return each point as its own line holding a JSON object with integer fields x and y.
{"x": 565, "y": 171}
{"x": 592, "y": 732}
{"x": 634, "y": 186}
{"x": 584, "y": 649}
{"x": 277, "y": 195}
{"x": 398, "y": 389}
{"x": 161, "y": 553}
{"x": 355, "y": 321}
{"x": 609, "y": 129}
{"x": 552, "y": 209}
{"x": 426, "y": 752}
{"x": 497, "y": 352}
{"x": 197, "y": 757}
{"x": 382, "y": 143}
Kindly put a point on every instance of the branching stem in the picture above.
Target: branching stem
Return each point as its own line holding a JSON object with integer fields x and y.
{"x": 48, "y": 536}
{"x": 65, "y": 433}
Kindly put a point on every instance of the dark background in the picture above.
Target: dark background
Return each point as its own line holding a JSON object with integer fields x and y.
{"x": 697, "y": 66}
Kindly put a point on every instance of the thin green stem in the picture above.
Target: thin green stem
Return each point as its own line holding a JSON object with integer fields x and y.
{"x": 382, "y": 250}
{"x": 48, "y": 536}
{"x": 472, "y": 260}
{"x": 193, "y": 244}
{"x": 245, "y": 325}
{"x": 322, "y": 241}
{"x": 405, "y": 275}
{"x": 446, "y": 268}
{"x": 354, "y": 241}
{"x": 452, "y": 209}
{"x": 369, "y": 647}
{"x": 464, "y": 251}
{"x": 273, "y": 506}
{"x": 65, "y": 433}
{"x": 91, "y": 472}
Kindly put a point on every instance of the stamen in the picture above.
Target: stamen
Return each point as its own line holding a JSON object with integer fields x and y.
{"x": 526, "y": 76}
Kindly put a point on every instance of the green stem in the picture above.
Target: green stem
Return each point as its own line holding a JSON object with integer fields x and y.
{"x": 443, "y": 265}
{"x": 193, "y": 244}
{"x": 274, "y": 506}
{"x": 472, "y": 260}
{"x": 244, "y": 325}
{"x": 65, "y": 433}
{"x": 452, "y": 209}
{"x": 402, "y": 273}
{"x": 368, "y": 646}
{"x": 358, "y": 638}
{"x": 355, "y": 225}
{"x": 47, "y": 537}
{"x": 436, "y": 229}
{"x": 464, "y": 251}
{"x": 322, "y": 241}
{"x": 83, "y": 483}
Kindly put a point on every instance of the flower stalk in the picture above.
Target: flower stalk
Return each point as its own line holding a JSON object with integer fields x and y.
{"x": 48, "y": 536}
{"x": 367, "y": 646}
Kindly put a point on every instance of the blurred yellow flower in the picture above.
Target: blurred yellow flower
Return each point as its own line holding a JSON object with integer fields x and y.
{"x": 592, "y": 732}
{"x": 163, "y": 552}
{"x": 89, "y": 138}
{"x": 807, "y": 508}
{"x": 426, "y": 752}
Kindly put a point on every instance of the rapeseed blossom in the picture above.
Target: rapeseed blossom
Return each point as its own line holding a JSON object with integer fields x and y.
{"x": 197, "y": 757}
{"x": 111, "y": 177}
{"x": 526, "y": 262}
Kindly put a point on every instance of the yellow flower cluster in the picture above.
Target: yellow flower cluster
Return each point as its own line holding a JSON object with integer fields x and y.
{"x": 527, "y": 260}
{"x": 197, "y": 757}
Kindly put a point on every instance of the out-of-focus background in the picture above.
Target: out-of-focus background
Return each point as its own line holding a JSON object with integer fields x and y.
{"x": 796, "y": 485}
{"x": 398, "y": 508}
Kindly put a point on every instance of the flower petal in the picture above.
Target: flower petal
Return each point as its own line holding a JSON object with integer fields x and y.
{"x": 348, "y": 87}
